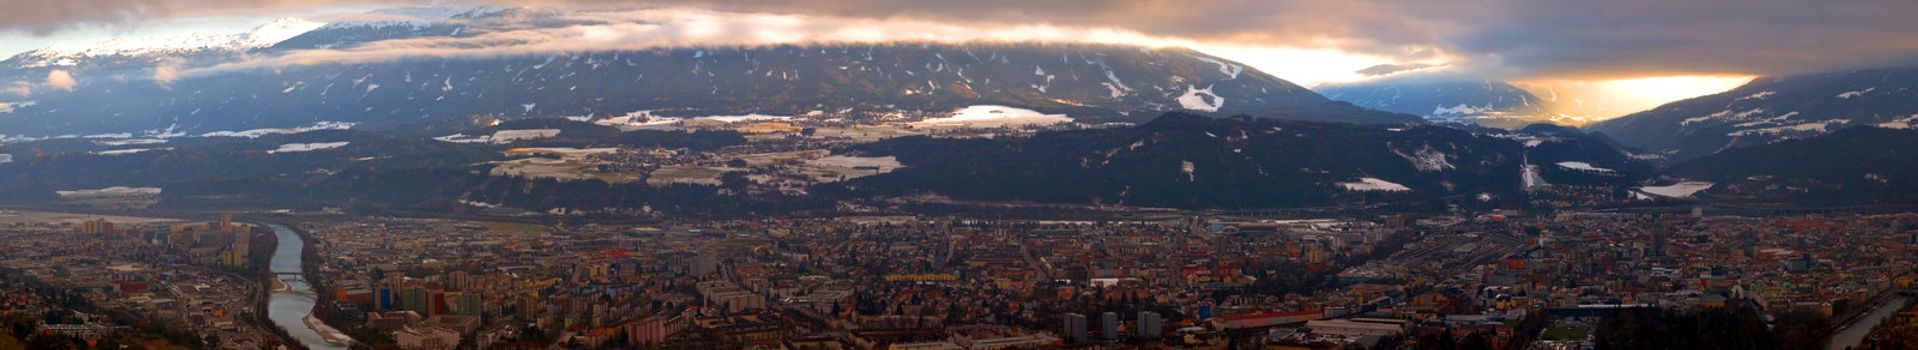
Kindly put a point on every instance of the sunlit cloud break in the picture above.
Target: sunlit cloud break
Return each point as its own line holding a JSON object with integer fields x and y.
{"x": 645, "y": 29}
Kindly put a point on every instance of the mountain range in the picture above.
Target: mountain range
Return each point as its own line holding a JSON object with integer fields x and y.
{"x": 1093, "y": 83}
{"x": 1771, "y": 109}
{"x": 1151, "y": 127}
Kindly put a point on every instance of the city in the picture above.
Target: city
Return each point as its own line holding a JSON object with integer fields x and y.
{"x": 905, "y": 282}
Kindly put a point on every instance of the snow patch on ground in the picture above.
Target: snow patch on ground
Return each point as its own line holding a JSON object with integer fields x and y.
{"x": 1426, "y": 159}
{"x": 1900, "y": 123}
{"x": 115, "y": 191}
{"x": 463, "y": 138}
{"x": 130, "y": 142}
{"x": 1529, "y": 174}
{"x": 119, "y": 152}
{"x": 639, "y": 120}
{"x": 307, "y": 147}
{"x": 257, "y": 133}
{"x": 1757, "y": 96}
{"x": 1724, "y": 114}
{"x": 1677, "y": 190}
{"x": 1583, "y": 166}
{"x": 849, "y": 167}
{"x": 1812, "y": 127}
{"x": 1373, "y": 184}
{"x": 6, "y": 158}
{"x": 1462, "y": 109}
{"x": 506, "y": 136}
{"x": 1115, "y": 91}
{"x": 1118, "y": 87}
{"x": 1230, "y": 70}
{"x": 1201, "y": 99}
{"x": 1855, "y": 93}
{"x": 991, "y": 116}
{"x": 1778, "y": 120}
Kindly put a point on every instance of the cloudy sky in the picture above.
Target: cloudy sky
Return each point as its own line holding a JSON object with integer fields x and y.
{"x": 1614, "y": 56}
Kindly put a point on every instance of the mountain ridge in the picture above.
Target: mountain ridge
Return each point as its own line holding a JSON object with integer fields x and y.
{"x": 1772, "y": 109}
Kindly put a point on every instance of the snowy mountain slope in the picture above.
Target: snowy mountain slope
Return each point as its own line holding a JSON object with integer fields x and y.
{"x": 261, "y": 36}
{"x": 1771, "y": 109}
{"x": 1096, "y": 83}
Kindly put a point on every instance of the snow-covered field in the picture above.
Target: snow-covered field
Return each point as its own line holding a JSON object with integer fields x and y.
{"x": 307, "y": 147}
{"x": 115, "y": 191}
{"x": 1900, "y": 123}
{"x": 463, "y": 138}
{"x": 1812, "y": 127}
{"x": 639, "y": 120}
{"x": 838, "y": 168}
{"x": 118, "y": 152}
{"x": 1373, "y": 184}
{"x": 1583, "y": 166}
{"x": 881, "y": 164}
{"x": 990, "y": 116}
{"x": 129, "y": 142}
{"x": 507, "y": 136}
{"x": 1678, "y": 190}
{"x": 257, "y": 133}
{"x": 690, "y": 175}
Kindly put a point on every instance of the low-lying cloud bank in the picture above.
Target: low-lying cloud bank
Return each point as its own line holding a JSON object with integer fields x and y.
{"x": 1507, "y": 39}
{"x": 646, "y": 29}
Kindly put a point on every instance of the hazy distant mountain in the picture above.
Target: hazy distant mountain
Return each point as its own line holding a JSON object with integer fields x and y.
{"x": 1772, "y": 109}
{"x": 1487, "y": 103}
{"x": 1089, "y": 82}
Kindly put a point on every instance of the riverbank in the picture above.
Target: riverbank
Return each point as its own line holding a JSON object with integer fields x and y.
{"x": 326, "y": 326}
{"x": 292, "y": 309}
{"x": 327, "y": 332}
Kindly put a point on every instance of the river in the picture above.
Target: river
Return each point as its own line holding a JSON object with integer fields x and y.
{"x": 1856, "y": 331}
{"x": 288, "y": 307}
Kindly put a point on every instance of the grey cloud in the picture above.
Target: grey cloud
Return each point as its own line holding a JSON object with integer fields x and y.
{"x": 1502, "y": 38}
{"x": 1391, "y": 68}
{"x": 1604, "y": 38}
{"x": 42, "y": 17}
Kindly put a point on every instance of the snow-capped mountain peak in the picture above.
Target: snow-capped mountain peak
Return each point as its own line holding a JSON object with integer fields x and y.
{"x": 261, "y": 36}
{"x": 276, "y": 31}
